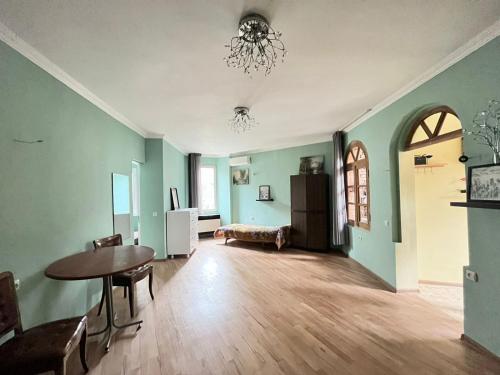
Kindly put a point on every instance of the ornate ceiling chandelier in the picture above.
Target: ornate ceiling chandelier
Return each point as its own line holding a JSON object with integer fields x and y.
{"x": 256, "y": 46}
{"x": 242, "y": 121}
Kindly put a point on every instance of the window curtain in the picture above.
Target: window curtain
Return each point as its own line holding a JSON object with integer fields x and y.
{"x": 339, "y": 215}
{"x": 194, "y": 179}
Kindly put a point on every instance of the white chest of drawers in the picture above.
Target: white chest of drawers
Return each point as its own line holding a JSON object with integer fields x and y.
{"x": 182, "y": 231}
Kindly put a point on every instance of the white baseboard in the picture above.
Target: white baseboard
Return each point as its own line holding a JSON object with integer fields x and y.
{"x": 444, "y": 283}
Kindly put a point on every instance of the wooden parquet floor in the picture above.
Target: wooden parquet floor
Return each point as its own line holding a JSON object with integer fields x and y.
{"x": 237, "y": 309}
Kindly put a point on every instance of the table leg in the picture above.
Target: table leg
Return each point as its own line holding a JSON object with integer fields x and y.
{"x": 108, "y": 284}
{"x": 118, "y": 326}
{"x": 110, "y": 314}
{"x": 108, "y": 321}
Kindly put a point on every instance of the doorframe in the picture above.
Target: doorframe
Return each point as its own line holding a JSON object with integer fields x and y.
{"x": 136, "y": 185}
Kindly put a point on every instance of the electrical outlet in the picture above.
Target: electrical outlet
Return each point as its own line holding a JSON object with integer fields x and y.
{"x": 471, "y": 275}
{"x": 17, "y": 283}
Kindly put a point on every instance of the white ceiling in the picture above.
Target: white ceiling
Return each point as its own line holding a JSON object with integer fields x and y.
{"x": 159, "y": 63}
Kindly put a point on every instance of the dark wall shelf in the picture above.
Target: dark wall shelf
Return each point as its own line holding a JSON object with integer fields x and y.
{"x": 493, "y": 205}
{"x": 265, "y": 200}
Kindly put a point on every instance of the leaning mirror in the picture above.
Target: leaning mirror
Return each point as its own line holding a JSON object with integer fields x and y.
{"x": 121, "y": 205}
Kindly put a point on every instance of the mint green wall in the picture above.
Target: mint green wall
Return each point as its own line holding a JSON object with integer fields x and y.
{"x": 165, "y": 167}
{"x": 466, "y": 87}
{"x": 374, "y": 248}
{"x": 174, "y": 175}
{"x": 223, "y": 182}
{"x": 224, "y": 190}
{"x": 55, "y": 196}
{"x": 152, "y": 199}
{"x": 272, "y": 168}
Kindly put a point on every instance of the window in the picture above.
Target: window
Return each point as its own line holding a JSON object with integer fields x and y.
{"x": 438, "y": 125}
{"x": 357, "y": 185}
{"x": 207, "y": 189}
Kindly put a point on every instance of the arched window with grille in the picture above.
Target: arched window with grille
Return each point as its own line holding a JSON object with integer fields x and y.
{"x": 438, "y": 125}
{"x": 357, "y": 185}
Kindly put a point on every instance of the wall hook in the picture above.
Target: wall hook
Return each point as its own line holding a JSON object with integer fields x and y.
{"x": 28, "y": 142}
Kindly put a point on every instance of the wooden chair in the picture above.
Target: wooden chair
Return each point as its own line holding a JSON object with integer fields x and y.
{"x": 38, "y": 349}
{"x": 126, "y": 279}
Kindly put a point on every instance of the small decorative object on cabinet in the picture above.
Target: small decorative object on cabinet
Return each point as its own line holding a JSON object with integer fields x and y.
{"x": 182, "y": 231}
{"x": 174, "y": 199}
{"x": 312, "y": 164}
{"x": 310, "y": 211}
{"x": 265, "y": 193}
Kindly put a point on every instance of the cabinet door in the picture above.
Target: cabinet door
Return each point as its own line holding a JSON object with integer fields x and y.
{"x": 298, "y": 192}
{"x": 317, "y": 192}
{"x": 299, "y": 229}
{"x": 317, "y": 231}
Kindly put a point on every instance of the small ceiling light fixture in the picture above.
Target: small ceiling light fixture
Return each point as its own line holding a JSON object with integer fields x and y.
{"x": 242, "y": 121}
{"x": 256, "y": 46}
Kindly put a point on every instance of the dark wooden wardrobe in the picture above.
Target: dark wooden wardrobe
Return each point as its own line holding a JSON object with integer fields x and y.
{"x": 310, "y": 195}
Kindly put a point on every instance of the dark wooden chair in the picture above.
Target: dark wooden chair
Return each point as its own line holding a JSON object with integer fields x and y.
{"x": 126, "y": 279}
{"x": 38, "y": 349}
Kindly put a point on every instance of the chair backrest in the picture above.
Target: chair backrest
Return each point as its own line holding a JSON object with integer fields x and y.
{"x": 114, "y": 240}
{"x": 10, "y": 319}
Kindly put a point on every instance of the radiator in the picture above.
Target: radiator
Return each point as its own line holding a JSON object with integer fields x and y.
{"x": 205, "y": 226}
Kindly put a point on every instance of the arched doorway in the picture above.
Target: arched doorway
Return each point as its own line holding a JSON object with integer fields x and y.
{"x": 433, "y": 245}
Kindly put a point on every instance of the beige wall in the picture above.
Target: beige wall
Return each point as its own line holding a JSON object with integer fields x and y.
{"x": 441, "y": 230}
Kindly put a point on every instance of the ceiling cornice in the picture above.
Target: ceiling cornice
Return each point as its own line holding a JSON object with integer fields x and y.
{"x": 319, "y": 138}
{"x": 165, "y": 139}
{"x": 17, "y": 43}
{"x": 180, "y": 149}
{"x": 472, "y": 45}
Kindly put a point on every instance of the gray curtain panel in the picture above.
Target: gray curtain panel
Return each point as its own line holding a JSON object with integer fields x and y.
{"x": 339, "y": 230}
{"x": 194, "y": 178}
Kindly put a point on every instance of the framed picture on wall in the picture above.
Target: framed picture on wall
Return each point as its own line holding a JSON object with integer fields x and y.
{"x": 174, "y": 199}
{"x": 264, "y": 192}
{"x": 241, "y": 176}
{"x": 483, "y": 183}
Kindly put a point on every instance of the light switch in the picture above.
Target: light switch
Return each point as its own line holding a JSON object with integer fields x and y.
{"x": 155, "y": 213}
{"x": 17, "y": 283}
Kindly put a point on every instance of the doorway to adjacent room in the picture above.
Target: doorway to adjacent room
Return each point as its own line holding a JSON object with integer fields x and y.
{"x": 430, "y": 178}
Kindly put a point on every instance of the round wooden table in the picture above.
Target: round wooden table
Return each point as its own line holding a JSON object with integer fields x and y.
{"x": 102, "y": 263}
